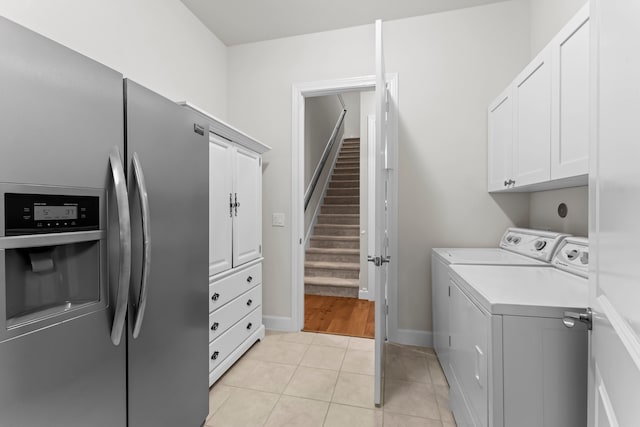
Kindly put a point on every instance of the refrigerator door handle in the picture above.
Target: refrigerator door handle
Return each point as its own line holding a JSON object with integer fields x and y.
{"x": 124, "y": 260}
{"x": 146, "y": 243}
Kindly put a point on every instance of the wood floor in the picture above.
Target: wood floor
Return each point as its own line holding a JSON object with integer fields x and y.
{"x": 339, "y": 315}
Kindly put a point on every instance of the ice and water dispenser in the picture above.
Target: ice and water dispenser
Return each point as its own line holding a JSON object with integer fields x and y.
{"x": 52, "y": 244}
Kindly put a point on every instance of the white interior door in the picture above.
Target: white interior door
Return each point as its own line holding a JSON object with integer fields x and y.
{"x": 381, "y": 238}
{"x": 614, "y": 368}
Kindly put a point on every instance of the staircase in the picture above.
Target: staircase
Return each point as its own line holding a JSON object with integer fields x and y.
{"x": 332, "y": 262}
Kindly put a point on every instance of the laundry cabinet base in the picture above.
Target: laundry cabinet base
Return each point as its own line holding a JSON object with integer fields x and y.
{"x": 235, "y": 315}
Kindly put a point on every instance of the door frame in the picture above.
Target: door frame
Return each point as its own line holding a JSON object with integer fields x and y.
{"x": 300, "y": 91}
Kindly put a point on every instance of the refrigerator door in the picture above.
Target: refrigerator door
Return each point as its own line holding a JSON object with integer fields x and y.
{"x": 167, "y": 359}
{"x": 60, "y": 118}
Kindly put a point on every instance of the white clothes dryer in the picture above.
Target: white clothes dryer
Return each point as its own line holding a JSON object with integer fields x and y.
{"x": 518, "y": 246}
{"x": 518, "y": 356}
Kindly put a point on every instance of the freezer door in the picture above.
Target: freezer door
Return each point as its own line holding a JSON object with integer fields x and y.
{"x": 167, "y": 361}
{"x": 60, "y": 117}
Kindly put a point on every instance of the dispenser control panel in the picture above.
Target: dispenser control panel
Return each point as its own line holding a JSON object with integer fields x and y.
{"x": 49, "y": 213}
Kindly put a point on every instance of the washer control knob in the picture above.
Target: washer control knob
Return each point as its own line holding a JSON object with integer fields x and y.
{"x": 540, "y": 244}
{"x": 509, "y": 238}
{"x": 516, "y": 240}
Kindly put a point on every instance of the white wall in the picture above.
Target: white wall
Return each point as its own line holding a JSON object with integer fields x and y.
{"x": 543, "y": 212}
{"x": 352, "y": 119}
{"x": 158, "y": 43}
{"x": 321, "y": 116}
{"x": 450, "y": 66}
{"x": 547, "y": 18}
{"x": 260, "y": 78}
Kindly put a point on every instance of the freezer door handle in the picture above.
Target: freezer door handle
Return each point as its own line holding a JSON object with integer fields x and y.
{"x": 124, "y": 260}
{"x": 146, "y": 243}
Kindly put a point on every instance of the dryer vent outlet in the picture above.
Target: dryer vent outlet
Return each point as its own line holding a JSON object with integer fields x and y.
{"x": 562, "y": 210}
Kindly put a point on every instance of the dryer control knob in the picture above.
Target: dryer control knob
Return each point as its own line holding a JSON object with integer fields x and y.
{"x": 572, "y": 254}
{"x": 584, "y": 258}
{"x": 540, "y": 244}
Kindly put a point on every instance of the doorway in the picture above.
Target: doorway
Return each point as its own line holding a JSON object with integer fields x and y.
{"x": 364, "y": 299}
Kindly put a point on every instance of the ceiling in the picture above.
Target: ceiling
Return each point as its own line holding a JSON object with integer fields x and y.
{"x": 245, "y": 21}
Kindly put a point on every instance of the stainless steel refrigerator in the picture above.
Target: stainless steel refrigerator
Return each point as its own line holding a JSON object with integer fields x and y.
{"x": 103, "y": 245}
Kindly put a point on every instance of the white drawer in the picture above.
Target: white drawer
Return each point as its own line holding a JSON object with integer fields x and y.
{"x": 224, "y": 290}
{"x": 223, "y": 346}
{"x": 224, "y": 317}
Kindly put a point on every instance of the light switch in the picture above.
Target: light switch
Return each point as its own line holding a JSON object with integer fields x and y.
{"x": 277, "y": 220}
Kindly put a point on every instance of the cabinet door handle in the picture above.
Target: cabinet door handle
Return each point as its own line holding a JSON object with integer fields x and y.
{"x": 214, "y": 356}
{"x": 214, "y": 327}
{"x": 249, "y": 326}
{"x": 215, "y": 296}
{"x": 249, "y": 279}
{"x": 249, "y": 302}
{"x": 236, "y": 204}
{"x": 231, "y": 205}
{"x": 506, "y": 182}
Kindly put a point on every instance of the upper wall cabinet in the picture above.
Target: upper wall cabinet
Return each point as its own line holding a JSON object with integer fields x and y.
{"x": 545, "y": 137}
{"x": 532, "y": 126}
{"x": 570, "y": 99}
{"x": 501, "y": 141}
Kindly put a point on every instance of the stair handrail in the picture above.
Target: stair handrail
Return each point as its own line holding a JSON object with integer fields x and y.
{"x": 323, "y": 160}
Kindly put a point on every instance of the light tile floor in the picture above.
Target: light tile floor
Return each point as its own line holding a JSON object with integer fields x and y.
{"x": 307, "y": 379}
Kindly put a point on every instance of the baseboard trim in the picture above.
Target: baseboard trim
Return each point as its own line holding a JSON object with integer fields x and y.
{"x": 277, "y": 323}
{"x": 413, "y": 337}
{"x": 364, "y": 294}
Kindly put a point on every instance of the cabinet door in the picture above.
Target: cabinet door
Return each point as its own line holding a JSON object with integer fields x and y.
{"x": 532, "y": 97}
{"x": 221, "y": 155}
{"x": 247, "y": 219}
{"x": 500, "y": 147}
{"x": 570, "y": 136}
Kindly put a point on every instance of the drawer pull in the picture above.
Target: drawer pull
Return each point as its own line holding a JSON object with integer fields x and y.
{"x": 214, "y": 356}
{"x": 249, "y": 325}
{"x": 214, "y": 327}
{"x": 249, "y": 279}
{"x": 249, "y": 303}
{"x": 215, "y": 296}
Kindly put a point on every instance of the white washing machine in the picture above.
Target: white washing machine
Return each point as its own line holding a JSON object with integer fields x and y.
{"x": 518, "y": 246}
{"x": 513, "y": 361}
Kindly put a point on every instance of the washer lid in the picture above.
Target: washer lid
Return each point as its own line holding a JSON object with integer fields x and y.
{"x": 522, "y": 291}
{"x": 484, "y": 256}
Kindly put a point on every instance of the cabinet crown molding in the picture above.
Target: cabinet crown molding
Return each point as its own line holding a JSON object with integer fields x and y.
{"x": 227, "y": 131}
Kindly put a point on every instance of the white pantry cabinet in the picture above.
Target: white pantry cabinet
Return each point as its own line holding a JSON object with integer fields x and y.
{"x": 235, "y": 205}
{"x": 235, "y": 244}
{"x": 538, "y": 127}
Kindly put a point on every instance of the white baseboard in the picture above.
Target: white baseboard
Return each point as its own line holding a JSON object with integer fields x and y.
{"x": 364, "y": 294}
{"x": 413, "y": 337}
{"x": 277, "y": 323}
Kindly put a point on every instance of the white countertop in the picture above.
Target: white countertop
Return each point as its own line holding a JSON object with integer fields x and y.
{"x": 486, "y": 256}
{"x": 522, "y": 291}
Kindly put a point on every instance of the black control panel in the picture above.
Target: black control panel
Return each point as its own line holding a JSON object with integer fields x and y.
{"x": 49, "y": 213}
